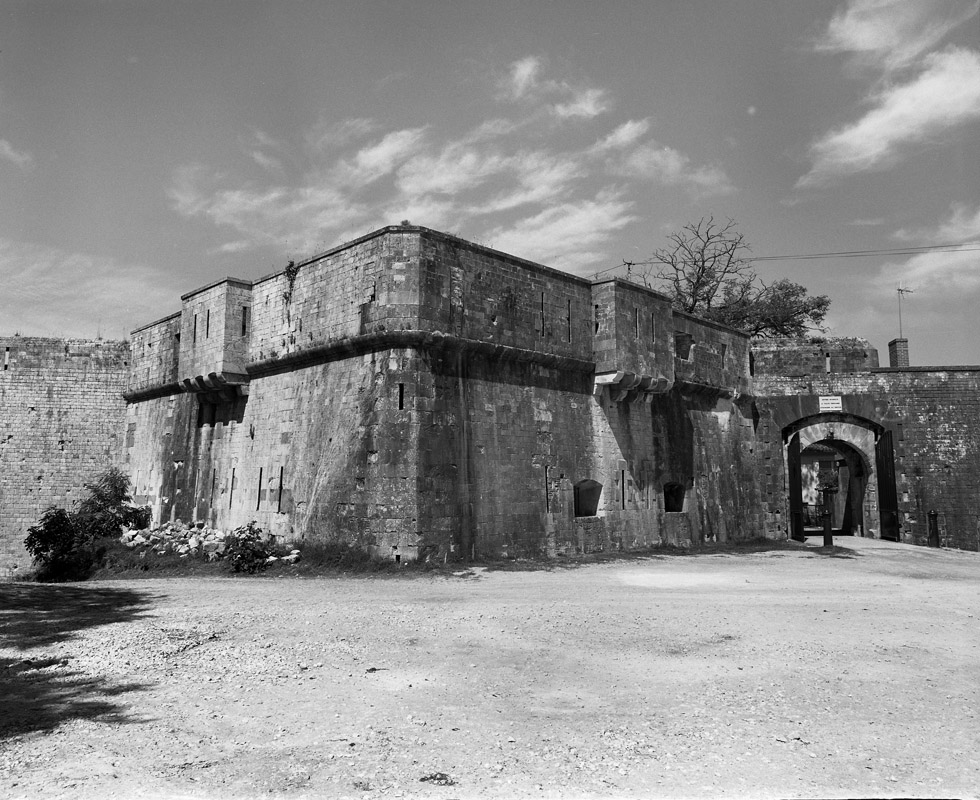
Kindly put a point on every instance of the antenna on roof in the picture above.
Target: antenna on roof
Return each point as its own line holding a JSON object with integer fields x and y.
{"x": 901, "y": 291}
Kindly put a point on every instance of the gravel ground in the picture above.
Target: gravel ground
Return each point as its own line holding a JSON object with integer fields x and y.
{"x": 781, "y": 673}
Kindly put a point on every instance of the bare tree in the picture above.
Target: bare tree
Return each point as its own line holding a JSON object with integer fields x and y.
{"x": 707, "y": 271}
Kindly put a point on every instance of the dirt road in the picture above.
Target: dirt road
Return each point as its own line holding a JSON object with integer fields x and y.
{"x": 779, "y": 673}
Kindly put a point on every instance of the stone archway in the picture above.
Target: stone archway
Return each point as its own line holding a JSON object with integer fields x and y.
{"x": 863, "y": 448}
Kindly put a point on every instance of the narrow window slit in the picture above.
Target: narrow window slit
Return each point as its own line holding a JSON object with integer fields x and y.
{"x": 279, "y": 501}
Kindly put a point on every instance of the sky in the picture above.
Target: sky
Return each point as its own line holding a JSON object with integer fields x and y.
{"x": 149, "y": 148}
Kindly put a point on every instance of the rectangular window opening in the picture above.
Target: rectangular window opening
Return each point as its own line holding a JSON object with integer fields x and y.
{"x": 568, "y": 319}
{"x": 258, "y": 494}
{"x": 231, "y": 488}
{"x": 683, "y": 345}
{"x": 244, "y": 320}
{"x": 401, "y": 396}
{"x": 207, "y": 325}
{"x": 542, "y": 314}
{"x": 653, "y": 327}
{"x": 194, "y": 334}
{"x": 622, "y": 488}
{"x": 214, "y": 479}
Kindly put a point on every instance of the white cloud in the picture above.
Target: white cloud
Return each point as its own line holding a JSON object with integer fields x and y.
{"x": 359, "y": 176}
{"x": 941, "y": 273}
{"x": 890, "y": 34}
{"x": 239, "y": 246}
{"x": 49, "y": 292}
{"x": 560, "y": 99}
{"x": 568, "y": 236}
{"x": 302, "y": 217}
{"x": 623, "y": 136}
{"x": 540, "y": 177}
{"x": 670, "y": 167}
{"x": 936, "y": 274}
{"x": 381, "y": 158}
{"x": 522, "y": 78}
{"x": 962, "y": 226}
{"x": 456, "y": 168}
{"x": 19, "y": 158}
{"x": 269, "y": 163}
{"x": 258, "y": 147}
{"x": 586, "y": 104}
{"x": 945, "y": 94}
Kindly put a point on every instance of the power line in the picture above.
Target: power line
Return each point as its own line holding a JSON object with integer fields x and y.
{"x": 956, "y": 247}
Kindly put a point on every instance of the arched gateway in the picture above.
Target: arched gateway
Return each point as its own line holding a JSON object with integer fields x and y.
{"x": 860, "y": 452}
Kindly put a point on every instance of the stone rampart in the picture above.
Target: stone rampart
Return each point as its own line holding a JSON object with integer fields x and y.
{"x": 412, "y": 392}
{"x": 420, "y": 395}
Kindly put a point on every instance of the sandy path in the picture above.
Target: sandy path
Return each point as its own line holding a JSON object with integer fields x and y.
{"x": 782, "y": 673}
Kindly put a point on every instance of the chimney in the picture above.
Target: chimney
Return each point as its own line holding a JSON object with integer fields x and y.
{"x": 898, "y": 353}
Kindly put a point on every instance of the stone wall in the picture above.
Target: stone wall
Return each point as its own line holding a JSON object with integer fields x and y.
{"x": 412, "y": 392}
{"x": 930, "y": 413}
{"x": 417, "y": 394}
{"x": 61, "y": 412}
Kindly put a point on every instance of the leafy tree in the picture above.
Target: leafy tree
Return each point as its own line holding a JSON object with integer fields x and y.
{"x": 67, "y": 545}
{"x": 707, "y": 271}
{"x": 107, "y": 507}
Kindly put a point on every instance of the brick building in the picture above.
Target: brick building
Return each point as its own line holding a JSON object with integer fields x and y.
{"x": 416, "y": 393}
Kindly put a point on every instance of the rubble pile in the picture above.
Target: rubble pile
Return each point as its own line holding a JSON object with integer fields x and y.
{"x": 198, "y": 539}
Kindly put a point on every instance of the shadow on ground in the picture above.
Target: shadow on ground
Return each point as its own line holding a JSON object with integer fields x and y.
{"x": 734, "y": 549}
{"x": 834, "y": 551}
{"x": 39, "y": 690}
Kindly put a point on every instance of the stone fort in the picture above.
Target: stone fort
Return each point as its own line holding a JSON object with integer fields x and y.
{"x": 418, "y": 394}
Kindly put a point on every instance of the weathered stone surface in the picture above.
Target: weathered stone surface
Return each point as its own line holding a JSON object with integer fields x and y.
{"x": 61, "y": 422}
{"x": 425, "y": 397}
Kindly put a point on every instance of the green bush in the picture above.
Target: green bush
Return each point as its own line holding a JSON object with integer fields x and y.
{"x": 68, "y": 546}
{"x": 107, "y": 507}
{"x": 245, "y": 550}
{"x": 60, "y": 549}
